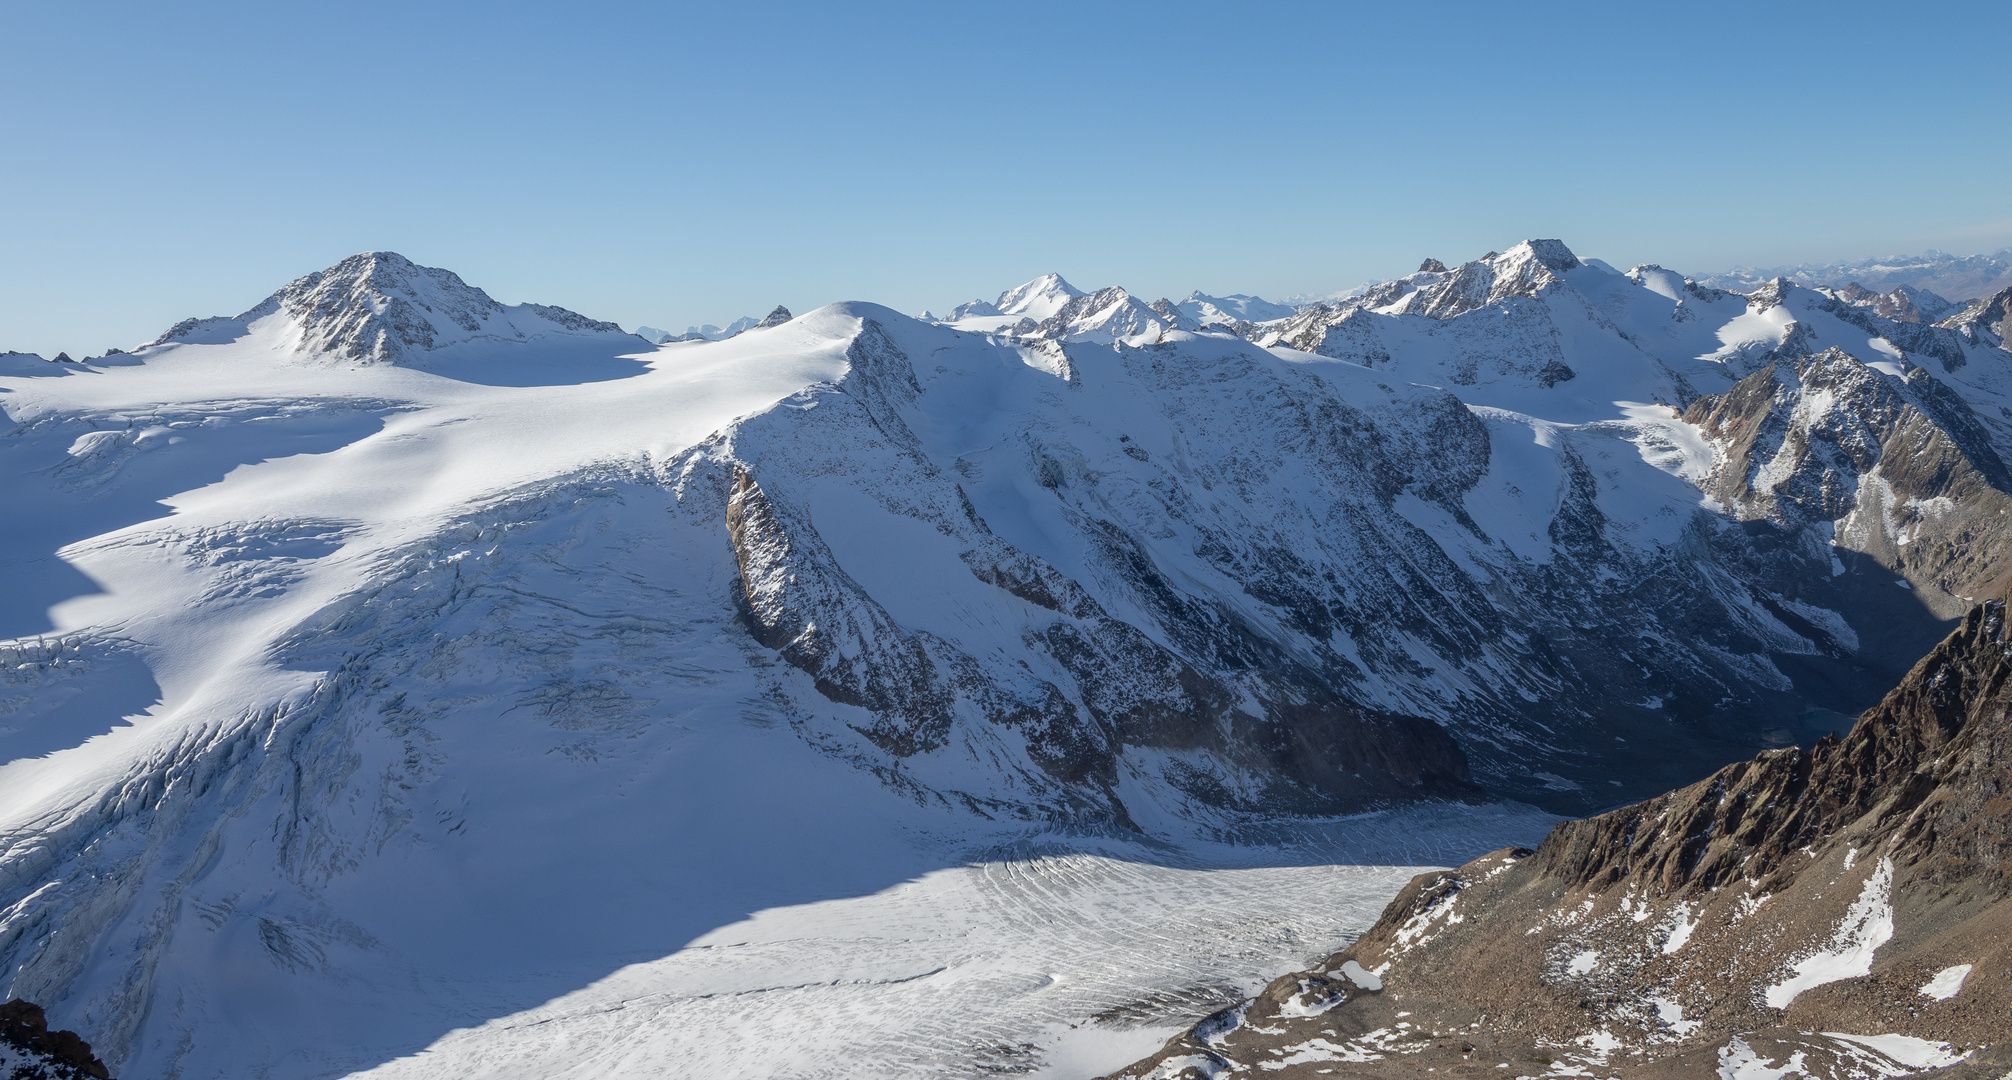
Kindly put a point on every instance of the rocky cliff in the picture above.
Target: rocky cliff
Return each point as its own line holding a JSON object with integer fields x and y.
{"x": 1838, "y": 911}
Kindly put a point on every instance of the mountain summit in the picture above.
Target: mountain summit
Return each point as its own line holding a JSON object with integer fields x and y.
{"x": 1039, "y": 299}
{"x": 381, "y": 307}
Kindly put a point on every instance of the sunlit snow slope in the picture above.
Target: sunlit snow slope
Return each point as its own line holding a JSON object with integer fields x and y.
{"x": 386, "y": 662}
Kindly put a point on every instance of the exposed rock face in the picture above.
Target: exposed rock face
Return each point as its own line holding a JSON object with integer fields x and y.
{"x": 777, "y": 317}
{"x": 1993, "y": 315}
{"x": 1834, "y": 912}
{"x": 1295, "y": 733}
{"x": 380, "y": 307}
{"x": 1524, "y": 272}
{"x": 1903, "y": 304}
{"x": 1112, "y": 315}
{"x": 30, "y": 1051}
{"x": 1900, "y": 465}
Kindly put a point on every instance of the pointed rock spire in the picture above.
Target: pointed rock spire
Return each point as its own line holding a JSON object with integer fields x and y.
{"x": 777, "y": 317}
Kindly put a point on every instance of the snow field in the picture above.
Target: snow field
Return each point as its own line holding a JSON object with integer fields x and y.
{"x": 1062, "y": 965}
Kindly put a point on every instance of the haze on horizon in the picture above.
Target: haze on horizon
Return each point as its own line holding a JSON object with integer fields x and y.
{"x": 680, "y": 164}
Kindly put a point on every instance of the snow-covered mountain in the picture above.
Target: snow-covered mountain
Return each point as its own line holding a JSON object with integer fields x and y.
{"x": 1039, "y": 299}
{"x": 344, "y": 640}
{"x": 1229, "y": 310}
{"x": 708, "y": 332}
{"x": 1958, "y": 277}
{"x": 380, "y": 307}
{"x": 1903, "y": 304}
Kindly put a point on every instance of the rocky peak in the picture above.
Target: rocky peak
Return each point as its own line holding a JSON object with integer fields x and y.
{"x": 1827, "y": 437}
{"x": 1524, "y": 271}
{"x": 379, "y": 306}
{"x": 1752, "y": 817}
{"x": 1772, "y": 293}
{"x": 1903, "y": 304}
{"x": 1553, "y": 254}
{"x": 1993, "y": 313}
{"x": 777, "y": 317}
{"x": 1112, "y": 315}
{"x": 1432, "y": 266}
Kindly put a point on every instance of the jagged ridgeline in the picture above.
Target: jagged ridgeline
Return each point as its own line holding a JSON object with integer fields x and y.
{"x": 384, "y": 582}
{"x": 1833, "y": 912}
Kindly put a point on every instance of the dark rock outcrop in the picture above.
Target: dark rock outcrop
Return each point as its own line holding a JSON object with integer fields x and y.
{"x": 30, "y": 1051}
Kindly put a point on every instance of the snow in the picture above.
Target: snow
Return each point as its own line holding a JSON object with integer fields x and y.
{"x": 1906, "y": 1050}
{"x": 1680, "y": 933}
{"x": 1849, "y": 954}
{"x": 1947, "y": 983}
{"x": 1738, "y": 1061}
{"x": 1601, "y": 1041}
{"x": 329, "y": 666}
{"x": 1583, "y": 963}
{"x": 1218, "y": 310}
{"x": 921, "y": 978}
{"x": 1361, "y": 976}
{"x": 1038, "y": 299}
{"x": 1670, "y": 1014}
{"x": 468, "y": 769}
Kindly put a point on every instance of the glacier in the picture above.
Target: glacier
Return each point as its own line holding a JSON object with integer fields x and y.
{"x": 398, "y": 681}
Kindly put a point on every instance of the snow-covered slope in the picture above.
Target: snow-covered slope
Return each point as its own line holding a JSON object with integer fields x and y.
{"x": 1038, "y": 299}
{"x": 1228, "y": 310}
{"x": 351, "y": 637}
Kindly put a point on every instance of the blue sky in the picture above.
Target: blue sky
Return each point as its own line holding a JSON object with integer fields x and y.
{"x": 672, "y": 163}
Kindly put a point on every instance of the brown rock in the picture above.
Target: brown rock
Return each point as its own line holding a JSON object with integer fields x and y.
{"x": 1768, "y": 911}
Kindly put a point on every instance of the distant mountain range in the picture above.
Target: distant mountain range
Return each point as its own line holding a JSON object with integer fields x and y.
{"x": 1960, "y": 278}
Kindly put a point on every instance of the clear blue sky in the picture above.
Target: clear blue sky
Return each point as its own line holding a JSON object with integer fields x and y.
{"x": 671, "y": 163}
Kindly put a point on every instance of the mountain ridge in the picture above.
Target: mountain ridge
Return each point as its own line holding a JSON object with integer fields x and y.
{"x": 1713, "y": 929}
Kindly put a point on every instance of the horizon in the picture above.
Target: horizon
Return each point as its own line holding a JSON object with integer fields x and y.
{"x": 683, "y": 165}
{"x": 1300, "y": 299}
